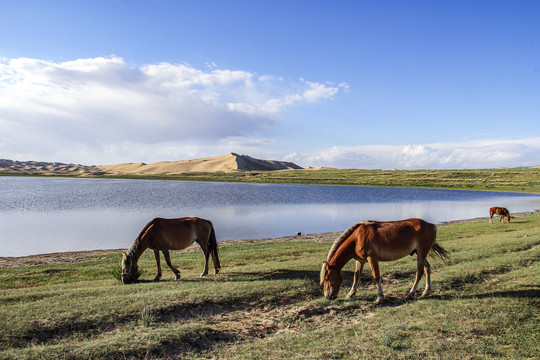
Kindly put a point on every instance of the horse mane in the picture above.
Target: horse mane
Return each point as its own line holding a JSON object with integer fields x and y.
{"x": 344, "y": 236}
{"x": 135, "y": 244}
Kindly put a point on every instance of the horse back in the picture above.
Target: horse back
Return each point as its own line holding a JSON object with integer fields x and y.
{"x": 177, "y": 234}
{"x": 498, "y": 211}
{"x": 393, "y": 240}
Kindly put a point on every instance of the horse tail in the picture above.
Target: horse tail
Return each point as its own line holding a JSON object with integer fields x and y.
{"x": 438, "y": 252}
{"x": 213, "y": 248}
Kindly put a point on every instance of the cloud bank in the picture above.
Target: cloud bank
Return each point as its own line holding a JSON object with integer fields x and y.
{"x": 103, "y": 109}
{"x": 468, "y": 154}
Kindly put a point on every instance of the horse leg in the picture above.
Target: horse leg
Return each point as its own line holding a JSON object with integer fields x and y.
{"x": 427, "y": 269}
{"x": 168, "y": 260}
{"x": 158, "y": 262}
{"x": 374, "y": 264}
{"x": 420, "y": 264}
{"x": 206, "y": 252}
{"x": 357, "y": 281}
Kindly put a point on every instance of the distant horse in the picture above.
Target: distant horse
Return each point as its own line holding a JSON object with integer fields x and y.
{"x": 503, "y": 212}
{"x": 170, "y": 234}
{"x": 373, "y": 241}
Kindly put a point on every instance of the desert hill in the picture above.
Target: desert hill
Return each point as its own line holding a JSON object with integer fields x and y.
{"x": 48, "y": 168}
{"x": 230, "y": 162}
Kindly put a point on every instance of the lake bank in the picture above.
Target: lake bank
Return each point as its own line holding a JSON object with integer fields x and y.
{"x": 78, "y": 256}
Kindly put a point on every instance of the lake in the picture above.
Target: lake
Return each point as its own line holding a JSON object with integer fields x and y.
{"x": 45, "y": 215}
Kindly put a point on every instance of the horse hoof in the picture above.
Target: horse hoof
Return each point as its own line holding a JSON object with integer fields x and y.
{"x": 156, "y": 279}
{"x": 379, "y": 301}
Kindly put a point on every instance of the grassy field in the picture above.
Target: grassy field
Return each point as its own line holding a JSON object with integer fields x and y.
{"x": 266, "y": 304}
{"x": 516, "y": 179}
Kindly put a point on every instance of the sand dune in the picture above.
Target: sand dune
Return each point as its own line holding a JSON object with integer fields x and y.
{"x": 50, "y": 168}
{"x": 230, "y": 162}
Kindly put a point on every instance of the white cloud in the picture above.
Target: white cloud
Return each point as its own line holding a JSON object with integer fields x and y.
{"x": 103, "y": 110}
{"x": 318, "y": 91}
{"x": 469, "y": 154}
{"x": 94, "y": 107}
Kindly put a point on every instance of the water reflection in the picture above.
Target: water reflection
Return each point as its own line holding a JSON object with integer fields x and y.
{"x": 49, "y": 215}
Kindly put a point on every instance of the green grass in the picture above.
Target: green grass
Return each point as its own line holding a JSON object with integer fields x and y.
{"x": 517, "y": 180}
{"x": 266, "y": 304}
{"x": 514, "y": 179}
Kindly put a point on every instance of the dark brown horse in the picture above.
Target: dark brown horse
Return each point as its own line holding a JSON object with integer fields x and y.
{"x": 170, "y": 234}
{"x": 373, "y": 241}
{"x": 503, "y": 212}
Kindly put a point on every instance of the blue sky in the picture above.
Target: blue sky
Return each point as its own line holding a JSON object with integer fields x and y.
{"x": 361, "y": 84}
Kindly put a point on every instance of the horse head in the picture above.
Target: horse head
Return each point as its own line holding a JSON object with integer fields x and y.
{"x": 330, "y": 280}
{"x": 129, "y": 269}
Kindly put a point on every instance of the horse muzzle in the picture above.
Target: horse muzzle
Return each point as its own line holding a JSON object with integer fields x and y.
{"x": 127, "y": 279}
{"x": 330, "y": 295}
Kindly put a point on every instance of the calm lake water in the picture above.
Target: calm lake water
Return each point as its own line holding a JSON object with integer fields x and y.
{"x": 44, "y": 215}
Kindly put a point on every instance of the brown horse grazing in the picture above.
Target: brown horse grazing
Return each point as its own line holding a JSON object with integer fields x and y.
{"x": 170, "y": 234}
{"x": 373, "y": 241}
{"x": 503, "y": 212}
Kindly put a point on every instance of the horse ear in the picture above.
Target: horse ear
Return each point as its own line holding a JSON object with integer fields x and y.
{"x": 124, "y": 256}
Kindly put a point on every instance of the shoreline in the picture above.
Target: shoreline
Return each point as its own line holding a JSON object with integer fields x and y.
{"x": 490, "y": 180}
{"x": 83, "y": 255}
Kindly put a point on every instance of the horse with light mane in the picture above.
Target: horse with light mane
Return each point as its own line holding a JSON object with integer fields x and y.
{"x": 374, "y": 241}
{"x": 170, "y": 234}
{"x": 503, "y": 212}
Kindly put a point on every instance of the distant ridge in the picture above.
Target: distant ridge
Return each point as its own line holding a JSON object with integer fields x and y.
{"x": 40, "y": 167}
{"x": 229, "y": 162}
{"x": 247, "y": 163}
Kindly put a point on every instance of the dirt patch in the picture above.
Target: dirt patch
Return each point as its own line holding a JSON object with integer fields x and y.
{"x": 54, "y": 258}
{"x": 270, "y": 320}
{"x": 78, "y": 256}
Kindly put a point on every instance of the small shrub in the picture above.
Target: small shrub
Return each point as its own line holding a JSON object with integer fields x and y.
{"x": 147, "y": 316}
{"x": 116, "y": 273}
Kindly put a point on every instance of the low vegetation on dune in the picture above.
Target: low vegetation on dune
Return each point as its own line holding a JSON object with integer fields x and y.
{"x": 266, "y": 304}
{"x": 517, "y": 180}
